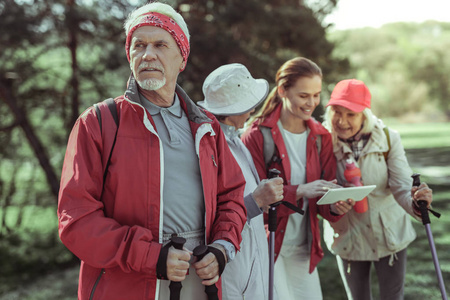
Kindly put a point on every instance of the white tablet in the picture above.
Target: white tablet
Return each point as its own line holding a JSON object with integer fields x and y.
{"x": 356, "y": 193}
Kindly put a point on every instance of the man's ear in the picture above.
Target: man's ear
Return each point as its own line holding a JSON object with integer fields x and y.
{"x": 183, "y": 65}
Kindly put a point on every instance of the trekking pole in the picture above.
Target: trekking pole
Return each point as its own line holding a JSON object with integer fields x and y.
{"x": 426, "y": 221}
{"x": 273, "y": 227}
{"x": 211, "y": 290}
{"x": 175, "y": 286}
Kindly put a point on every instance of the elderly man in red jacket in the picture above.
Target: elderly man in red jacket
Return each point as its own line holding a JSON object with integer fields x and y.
{"x": 169, "y": 172}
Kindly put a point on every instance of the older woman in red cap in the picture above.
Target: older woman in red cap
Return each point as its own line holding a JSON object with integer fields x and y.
{"x": 170, "y": 172}
{"x": 380, "y": 235}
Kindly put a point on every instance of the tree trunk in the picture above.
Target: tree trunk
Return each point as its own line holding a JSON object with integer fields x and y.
{"x": 35, "y": 143}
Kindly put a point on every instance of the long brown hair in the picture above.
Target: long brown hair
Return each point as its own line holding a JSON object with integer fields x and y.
{"x": 287, "y": 76}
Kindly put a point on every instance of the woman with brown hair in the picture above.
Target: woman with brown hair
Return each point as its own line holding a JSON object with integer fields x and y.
{"x": 303, "y": 153}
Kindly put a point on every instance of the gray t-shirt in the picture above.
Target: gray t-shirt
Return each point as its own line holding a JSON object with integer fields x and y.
{"x": 183, "y": 201}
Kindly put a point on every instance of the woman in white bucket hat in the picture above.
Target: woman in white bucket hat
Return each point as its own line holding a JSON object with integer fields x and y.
{"x": 231, "y": 90}
{"x": 231, "y": 94}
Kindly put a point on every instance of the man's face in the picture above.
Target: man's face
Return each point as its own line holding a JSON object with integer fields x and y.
{"x": 155, "y": 58}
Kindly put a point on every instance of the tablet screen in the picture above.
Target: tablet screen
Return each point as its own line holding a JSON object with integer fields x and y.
{"x": 356, "y": 193}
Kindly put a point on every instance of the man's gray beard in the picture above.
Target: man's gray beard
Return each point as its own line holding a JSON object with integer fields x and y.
{"x": 152, "y": 84}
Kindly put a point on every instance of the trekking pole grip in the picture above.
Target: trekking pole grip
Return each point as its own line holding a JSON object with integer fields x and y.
{"x": 273, "y": 173}
{"x": 273, "y": 207}
{"x": 211, "y": 290}
{"x": 175, "y": 286}
{"x": 178, "y": 242}
{"x": 421, "y": 203}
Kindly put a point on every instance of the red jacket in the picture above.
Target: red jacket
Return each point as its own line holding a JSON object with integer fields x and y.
{"x": 118, "y": 235}
{"x": 323, "y": 168}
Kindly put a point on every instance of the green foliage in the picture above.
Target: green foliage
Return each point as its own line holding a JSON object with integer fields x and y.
{"x": 260, "y": 34}
{"x": 32, "y": 249}
{"x": 405, "y": 66}
{"x": 37, "y": 75}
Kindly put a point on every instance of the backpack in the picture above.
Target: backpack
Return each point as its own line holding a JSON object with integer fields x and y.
{"x": 269, "y": 146}
{"x": 113, "y": 109}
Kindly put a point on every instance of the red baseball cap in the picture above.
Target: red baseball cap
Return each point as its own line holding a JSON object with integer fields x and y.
{"x": 352, "y": 94}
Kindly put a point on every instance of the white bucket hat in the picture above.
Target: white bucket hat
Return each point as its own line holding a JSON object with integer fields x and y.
{"x": 231, "y": 90}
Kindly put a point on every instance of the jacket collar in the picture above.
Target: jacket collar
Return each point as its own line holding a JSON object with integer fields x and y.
{"x": 153, "y": 109}
{"x": 378, "y": 139}
{"x": 229, "y": 131}
{"x": 272, "y": 119}
{"x": 194, "y": 113}
{"x": 377, "y": 143}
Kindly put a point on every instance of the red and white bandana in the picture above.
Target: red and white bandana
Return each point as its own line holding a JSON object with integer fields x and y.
{"x": 164, "y": 22}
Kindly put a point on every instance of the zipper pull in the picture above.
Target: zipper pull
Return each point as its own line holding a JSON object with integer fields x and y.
{"x": 214, "y": 161}
{"x": 348, "y": 268}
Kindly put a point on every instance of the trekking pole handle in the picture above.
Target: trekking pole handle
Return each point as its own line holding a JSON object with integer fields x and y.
{"x": 273, "y": 173}
{"x": 178, "y": 242}
{"x": 175, "y": 286}
{"x": 421, "y": 203}
{"x": 416, "y": 182}
{"x": 273, "y": 207}
{"x": 211, "y": 290}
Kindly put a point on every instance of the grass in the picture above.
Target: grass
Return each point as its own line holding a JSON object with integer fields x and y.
{"x": 422, "y": 135}
{"x": 29, "y": 246}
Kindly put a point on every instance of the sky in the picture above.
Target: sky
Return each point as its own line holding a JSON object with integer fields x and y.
{"x": 375, "y": 13}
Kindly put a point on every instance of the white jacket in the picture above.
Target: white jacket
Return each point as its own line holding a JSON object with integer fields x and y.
{"x": 247, "y": 276}
{"x": 385, "y": 228}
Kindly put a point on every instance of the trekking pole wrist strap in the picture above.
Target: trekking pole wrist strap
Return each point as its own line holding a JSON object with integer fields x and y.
{"x": 220, "y": 258}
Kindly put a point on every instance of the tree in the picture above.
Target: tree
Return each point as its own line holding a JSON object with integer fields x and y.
{"x": 39, "y": 78}
{"x": 260, "y": 34}
{"x": 404, "y": 64}
{"x": 48, "y": 65}
{"x": 15, "y": 57}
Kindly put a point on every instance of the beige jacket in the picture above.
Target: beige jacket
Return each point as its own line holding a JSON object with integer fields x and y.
{"x": 386, "y": 226}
